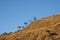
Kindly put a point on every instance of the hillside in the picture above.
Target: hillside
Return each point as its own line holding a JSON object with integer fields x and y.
{"x": 47, "y": 28}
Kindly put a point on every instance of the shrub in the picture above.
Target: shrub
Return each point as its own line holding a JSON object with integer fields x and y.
{"x": 25, "y": 23}
{"x": 4, "y": 33}
{"x": 19, "y": 27}
{"x": 3, "y": 39}
{"x": 35, "y": 18}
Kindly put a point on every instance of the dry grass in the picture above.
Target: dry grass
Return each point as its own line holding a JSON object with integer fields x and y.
{"x": 37, "y": 30}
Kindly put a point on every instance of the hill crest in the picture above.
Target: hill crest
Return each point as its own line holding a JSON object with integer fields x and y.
{"x": 38, "y": 30}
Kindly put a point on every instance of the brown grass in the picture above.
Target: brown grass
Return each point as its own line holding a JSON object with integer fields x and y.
{"x": 37, "y": 30}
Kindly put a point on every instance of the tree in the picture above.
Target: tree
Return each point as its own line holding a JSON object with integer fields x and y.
{"x": 25, "y": 23}
{"x": 5, "y": 33}
{"x": 35, "y": 18}
{"x": 19, "y": 27}
{"x": 22, "y": 26}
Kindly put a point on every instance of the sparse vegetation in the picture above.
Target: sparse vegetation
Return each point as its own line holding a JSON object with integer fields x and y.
{"x": 48, "y": 31}
{"x": 5, "y": 33}
{"x": 25, "y": 23}
{"x": 35, "y": 18}
{"x": 19, "y": 27}
{"x": 37, "y": 30}
{"x": 3, "y": 39}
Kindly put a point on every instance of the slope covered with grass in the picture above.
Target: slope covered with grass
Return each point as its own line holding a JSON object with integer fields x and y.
{"x": 47, "y": 28}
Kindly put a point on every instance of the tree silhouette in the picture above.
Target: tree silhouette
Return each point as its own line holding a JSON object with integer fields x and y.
{"x": 19, "y": 27}
{"x": 25, "y": 23}
{"x": 5, "y": 33}
{"x": 35, "y": 18}
{"x": 22, "y": 26}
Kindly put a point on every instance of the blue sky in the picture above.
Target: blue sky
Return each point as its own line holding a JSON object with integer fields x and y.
{"x": 14, "y": 13}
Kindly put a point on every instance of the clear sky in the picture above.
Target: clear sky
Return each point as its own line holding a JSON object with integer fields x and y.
{"x": 14, "y": 13}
